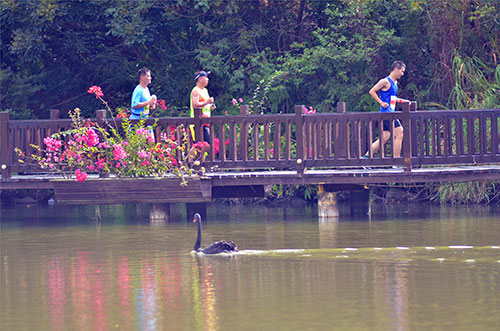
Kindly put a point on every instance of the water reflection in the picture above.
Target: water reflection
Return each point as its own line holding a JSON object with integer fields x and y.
{"x": 128, "y": 275}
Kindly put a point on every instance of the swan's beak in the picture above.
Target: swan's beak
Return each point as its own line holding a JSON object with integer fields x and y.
{"x": 194, "y": 220}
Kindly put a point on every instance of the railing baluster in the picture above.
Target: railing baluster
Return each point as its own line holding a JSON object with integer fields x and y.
{"x": 482, "y": 137}
{"x": 256, "y": 149}
{"x": 232, "y": 142}
{"x": 277, "y": 141}
{"x": 266, "y": 141}
{"x": 222, "y": 142}
{"x": 494, "y": 134}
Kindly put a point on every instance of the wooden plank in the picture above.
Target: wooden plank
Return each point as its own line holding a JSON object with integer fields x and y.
{"x": 132, "y": 190}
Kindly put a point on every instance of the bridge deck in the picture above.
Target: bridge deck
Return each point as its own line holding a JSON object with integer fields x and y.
{"x": 97, "y": 190}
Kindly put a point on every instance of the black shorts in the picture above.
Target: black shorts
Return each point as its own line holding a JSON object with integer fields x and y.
{"x": 387, "y": 124}
{"x": 206, "y": 134}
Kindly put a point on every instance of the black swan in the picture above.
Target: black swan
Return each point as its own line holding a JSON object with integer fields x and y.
{"x": 215, "y": 248}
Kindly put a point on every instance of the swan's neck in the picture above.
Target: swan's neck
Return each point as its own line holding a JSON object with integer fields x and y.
{"x": 197, "y": 244}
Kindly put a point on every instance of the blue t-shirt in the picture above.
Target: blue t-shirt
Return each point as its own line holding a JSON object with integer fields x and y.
{"x": 385, "y": 96}
{"x": 139, "y": 95}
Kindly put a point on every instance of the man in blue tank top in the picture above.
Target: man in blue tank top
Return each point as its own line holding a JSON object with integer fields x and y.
{"x": 388, "y": 89}
{"x": 142, "y": 100}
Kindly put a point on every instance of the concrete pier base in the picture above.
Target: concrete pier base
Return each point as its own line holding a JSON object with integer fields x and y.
{"x": 159, "y": 212}
{"x": 328, "y": 205}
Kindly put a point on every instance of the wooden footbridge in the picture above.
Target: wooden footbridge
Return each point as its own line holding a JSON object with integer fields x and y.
{"x": 296, "y": 148}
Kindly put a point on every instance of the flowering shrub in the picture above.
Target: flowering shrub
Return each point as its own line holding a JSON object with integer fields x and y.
{"x": 126, "y": 150}
{"x": 310, "y": 110}
{"x": 238, "y": 102}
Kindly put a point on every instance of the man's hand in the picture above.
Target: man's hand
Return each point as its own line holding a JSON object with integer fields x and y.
{"x": 384, "y": 105}
{"x": 152, "y": 101}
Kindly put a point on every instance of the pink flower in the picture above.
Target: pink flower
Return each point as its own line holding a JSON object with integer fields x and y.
{"x": 234, "y": 101}
{"x": 52, "y": 144}
{"x": 96, "y": 90}
{"x": 92, "y": 138}
{"x": 142, "y": 154}
{"x": 240, "y": 100}
{"x": 100, "y": 163}
{"x": 216, "y": 145}
{"x": 80, "y": 176}
{"x": 118, "y": 152}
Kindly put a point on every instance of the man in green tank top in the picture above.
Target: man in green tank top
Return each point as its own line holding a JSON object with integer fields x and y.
{"x": 200, "y": 98}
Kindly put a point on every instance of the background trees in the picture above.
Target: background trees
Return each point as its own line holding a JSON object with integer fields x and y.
{"x": 324, "y": 51}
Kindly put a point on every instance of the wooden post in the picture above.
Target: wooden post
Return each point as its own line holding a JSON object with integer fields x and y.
{"x": 299, "y": 137}
{"x": 55, "y": 114}
{"x": 100, "y": 114}
{"x": 244, "y": 111}
{"x": 407, "y": 136}
{"x": 198, "y": 128}
{"x": 5, "y": 148}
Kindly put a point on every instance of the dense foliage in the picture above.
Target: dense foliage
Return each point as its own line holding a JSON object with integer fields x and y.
{"x": 324, "y": 51}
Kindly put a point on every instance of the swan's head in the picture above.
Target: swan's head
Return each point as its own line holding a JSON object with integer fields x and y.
{"x": 197, "y": 218}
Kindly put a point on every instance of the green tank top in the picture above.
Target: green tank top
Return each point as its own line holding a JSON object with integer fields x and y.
{"x": 203, "y": 97}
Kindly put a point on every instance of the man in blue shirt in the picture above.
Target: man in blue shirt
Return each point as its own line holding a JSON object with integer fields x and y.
{"x": 142, "y": 100}
{"x": 388, "y": 89}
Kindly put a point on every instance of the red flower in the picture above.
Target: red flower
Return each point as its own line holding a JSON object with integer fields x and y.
{"x": 122, "y": 114}
{"x": 161, "y": 103}
{"x": 96, "y": 90}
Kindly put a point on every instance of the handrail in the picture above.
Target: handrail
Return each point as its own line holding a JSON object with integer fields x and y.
{"x": 299, "y": 140}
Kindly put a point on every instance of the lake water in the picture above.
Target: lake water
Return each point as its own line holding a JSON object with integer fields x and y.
{"x": 407, "y": 267}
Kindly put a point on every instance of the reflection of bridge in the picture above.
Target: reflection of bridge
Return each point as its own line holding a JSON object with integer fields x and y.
{"x": 297, "y": 148}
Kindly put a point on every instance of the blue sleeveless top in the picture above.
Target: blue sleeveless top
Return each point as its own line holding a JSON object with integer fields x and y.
{"x": 385, "y": 96}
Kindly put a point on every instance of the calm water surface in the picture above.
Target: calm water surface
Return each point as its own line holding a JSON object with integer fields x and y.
{"x": 61, "y": 270}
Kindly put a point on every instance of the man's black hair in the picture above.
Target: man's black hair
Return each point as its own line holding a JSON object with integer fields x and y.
{"x": 398, "y": 64}
{"x": 143, "y": 72}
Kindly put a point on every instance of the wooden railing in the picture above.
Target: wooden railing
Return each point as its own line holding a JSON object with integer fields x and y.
{"x": 299, "y": 141}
